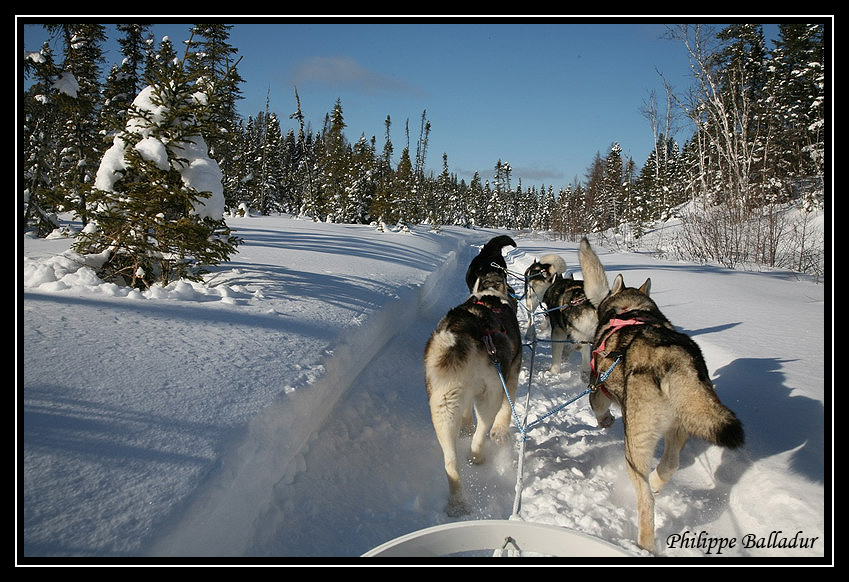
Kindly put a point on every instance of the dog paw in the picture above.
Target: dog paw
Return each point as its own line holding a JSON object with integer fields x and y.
{"x": 606, "y": 420}
{"x": 500, "y": 435}
{"x": 655, "y": 482}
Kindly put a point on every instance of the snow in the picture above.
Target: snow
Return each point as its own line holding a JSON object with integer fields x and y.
{"x": 278, "y": 411}
{"x": 67, "y": 84}
{"x": 197, "y": 170}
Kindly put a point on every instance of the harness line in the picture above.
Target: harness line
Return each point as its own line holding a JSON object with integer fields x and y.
{"x": 523, "y": 427}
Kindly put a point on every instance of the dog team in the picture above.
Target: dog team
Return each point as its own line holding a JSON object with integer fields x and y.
{"x": 654, "y": 374}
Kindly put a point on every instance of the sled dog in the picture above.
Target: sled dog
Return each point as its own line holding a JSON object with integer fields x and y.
{"x": 573, "y": 323}
{"x": 571, "y": 317}
{"x": 490, "y": 253}
{"x": 540, "y": 276}
{"x": 460, "y": 374}
{"x": 659, "y": 380}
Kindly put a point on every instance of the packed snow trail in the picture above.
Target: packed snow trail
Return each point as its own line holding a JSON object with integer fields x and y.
{"x": 382, "y": 427}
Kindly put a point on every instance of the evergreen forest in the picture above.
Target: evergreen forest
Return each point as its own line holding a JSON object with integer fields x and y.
{"x": 756, "y": 146}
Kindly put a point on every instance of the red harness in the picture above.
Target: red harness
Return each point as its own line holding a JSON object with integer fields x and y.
{"x": 614, "y": 326}
{"x": 487, "y": 337}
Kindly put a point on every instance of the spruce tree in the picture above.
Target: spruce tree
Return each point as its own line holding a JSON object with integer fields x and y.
{"x": 213, "y": 62}
{"x": 333, "y": 167}
{"x": 125, "y": 79}
{"x": 798, "y": 91}
{"x": 78, "y": 137}
{"x": 381, "y": 204}
{"x": 362, "y": 181}
{"x": 40, "y": 155}
{"x": 159, "y": 213}
{"x": 403, "y": 191}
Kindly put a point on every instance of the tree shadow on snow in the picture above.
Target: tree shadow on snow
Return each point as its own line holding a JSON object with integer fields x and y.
{"x": 774, "y": 420}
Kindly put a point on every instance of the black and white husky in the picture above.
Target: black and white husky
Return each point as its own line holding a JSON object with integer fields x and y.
{"x": 474, "y": 353}
{"x": 573, "y": 319}
{"x": 573, "y": 323}
{"x": 539, "y": 277}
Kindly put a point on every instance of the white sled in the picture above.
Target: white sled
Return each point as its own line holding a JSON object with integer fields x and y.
{"x": 496, "y": 534}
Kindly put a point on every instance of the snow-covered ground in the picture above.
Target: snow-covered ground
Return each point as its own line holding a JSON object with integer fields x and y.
{"x": 279, "y": 411}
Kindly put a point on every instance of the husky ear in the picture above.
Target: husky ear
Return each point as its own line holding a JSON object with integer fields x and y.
{"x": 475, "y": 287}
{"x": 618, "y": 285}
{"x": 646, "y": 288}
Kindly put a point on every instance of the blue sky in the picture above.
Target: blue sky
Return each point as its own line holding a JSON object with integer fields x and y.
{"x": 543, "y": 96}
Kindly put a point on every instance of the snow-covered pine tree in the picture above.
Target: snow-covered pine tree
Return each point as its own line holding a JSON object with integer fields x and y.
{"x": 403, "y": 191}
{"x": 159, "y": 211}
{"x": 797, "y": 90}
{"x": 332, "y": 169}
{"x": 41, "y": 158}
{"x": 78, "y": 139}
{"x": 477, "y": 202}
{"x": 362, "y": 180}
{"x": 380, "y": 208}
{"x": 213, "y": 62}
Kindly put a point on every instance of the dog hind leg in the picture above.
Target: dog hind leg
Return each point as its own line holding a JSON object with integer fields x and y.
{"x": 487, "y": 406}
{"x": 500, "y": 432}
{"x": 447, "y": 416}
{"x": 638, "y": 455}
{"x": 643, "y": 428}
{"x": 673, "y": 442}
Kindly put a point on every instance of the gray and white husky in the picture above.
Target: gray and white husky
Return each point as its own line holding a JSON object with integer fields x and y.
{"x": 573, "y": 323}
{"x": 474, "y": 346}
{"x": 659, "y": 380}
{"x": 539, "y": 276}
{"x": 572, "y": 318}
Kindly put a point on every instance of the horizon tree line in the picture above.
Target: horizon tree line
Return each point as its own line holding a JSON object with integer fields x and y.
{"x": 757, "y": 143}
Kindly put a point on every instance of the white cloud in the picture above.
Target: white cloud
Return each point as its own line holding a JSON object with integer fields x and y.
{"x": 346, "y": 71}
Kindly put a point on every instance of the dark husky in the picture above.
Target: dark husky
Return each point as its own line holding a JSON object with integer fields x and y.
{"x": 474, "y": 352}
{"x": 482, "y": 263}
{"x": 572, "y": 318}
{"x": 659, "y": 380}
{"x": 573, "y": 323}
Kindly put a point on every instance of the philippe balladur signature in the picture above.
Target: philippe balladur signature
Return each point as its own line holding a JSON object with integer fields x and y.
{"x": 712, "y": 544}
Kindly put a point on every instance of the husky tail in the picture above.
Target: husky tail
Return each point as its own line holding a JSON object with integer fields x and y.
{"x": 726, "y": 430}
{"x": 596, "y": 286}
{"x": 498, "y": 243}
{"x": 445, "y": 351}
{"x": 701, "y": 413}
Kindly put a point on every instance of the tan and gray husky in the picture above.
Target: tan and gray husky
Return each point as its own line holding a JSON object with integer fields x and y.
{"x": 659, "y": 380}
{"x": 474, "y": 346}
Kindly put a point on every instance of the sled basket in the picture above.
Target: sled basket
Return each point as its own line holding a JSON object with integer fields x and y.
{"x": 495, "y": 534}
